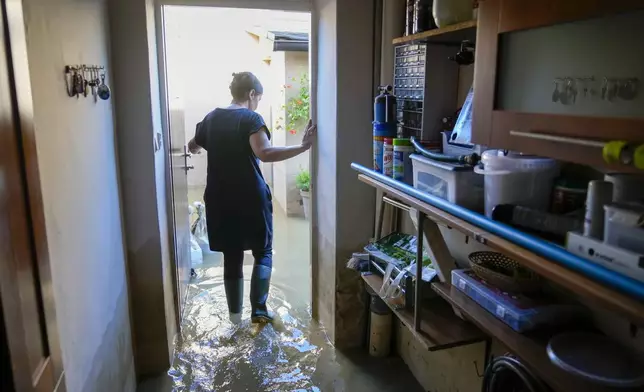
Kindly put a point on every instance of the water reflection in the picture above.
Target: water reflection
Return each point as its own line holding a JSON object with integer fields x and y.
{"x": 214, "y": 354}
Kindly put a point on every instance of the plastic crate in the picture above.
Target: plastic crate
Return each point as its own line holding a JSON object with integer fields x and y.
{"x": 520, "y": 311}
{"x": 457, "y": 184}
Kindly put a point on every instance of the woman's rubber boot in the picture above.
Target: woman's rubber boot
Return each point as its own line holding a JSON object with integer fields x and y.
{"x": 259, "y": 286}
{"x": 235, "y": 297}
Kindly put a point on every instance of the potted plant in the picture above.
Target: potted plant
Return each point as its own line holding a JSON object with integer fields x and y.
{"x": 303, "y": 183}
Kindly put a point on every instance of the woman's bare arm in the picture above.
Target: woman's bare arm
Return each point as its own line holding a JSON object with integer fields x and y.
{"x": 266, "y": 153}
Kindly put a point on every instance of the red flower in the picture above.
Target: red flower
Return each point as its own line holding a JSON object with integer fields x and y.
{"x": 292, "y": 131}
{"x": 299, "y": 101}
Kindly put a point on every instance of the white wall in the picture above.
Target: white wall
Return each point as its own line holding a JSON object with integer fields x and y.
{"x": 143, "y": 181}
{"x": 297, "y": 64}
{"x": 288, "y": 68}
{"x": 278, "y": 127}
{"x": 76, "y": 153}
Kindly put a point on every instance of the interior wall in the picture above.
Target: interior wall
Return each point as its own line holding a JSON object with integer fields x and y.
{"x": 344, "y": 207}
{"x": 356, "y": 206}
{"x": 143, "y": 179}
{"x": 78, "y": 168}
{"x": 324, "y": 181}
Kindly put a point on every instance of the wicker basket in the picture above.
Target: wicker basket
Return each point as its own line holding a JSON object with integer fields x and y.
{"x": 503, "y": 272}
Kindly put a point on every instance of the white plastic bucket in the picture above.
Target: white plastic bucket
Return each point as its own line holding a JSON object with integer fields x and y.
{"x": 517, "y": 179}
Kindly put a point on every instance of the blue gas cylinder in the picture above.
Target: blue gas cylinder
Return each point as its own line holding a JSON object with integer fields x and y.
{"x": 385, "y": 106}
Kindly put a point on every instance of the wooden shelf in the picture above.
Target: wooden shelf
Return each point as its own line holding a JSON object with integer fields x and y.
{"x": 529, "y": 347}
{"x": 450, "y": 34}
{"x": 440, "y": 328}
{"x": 584, "y": 286}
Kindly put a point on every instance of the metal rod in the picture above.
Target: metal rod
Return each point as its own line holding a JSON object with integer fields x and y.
{"x": 419, "y": 271}
{"x": 396, "y": 203}
{"x": 531, "y": 243}
{"x": 560, "y": 139}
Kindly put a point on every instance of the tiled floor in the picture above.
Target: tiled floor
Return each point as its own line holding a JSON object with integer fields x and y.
{"x": 292, "y": 355}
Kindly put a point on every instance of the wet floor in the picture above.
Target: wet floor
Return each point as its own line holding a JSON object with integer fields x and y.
{"x": 212, "y": 354}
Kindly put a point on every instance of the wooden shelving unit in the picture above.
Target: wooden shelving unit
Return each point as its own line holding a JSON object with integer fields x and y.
{"x": 450, "y": 34}
{"x": 530, "y": 348}
{"x": 440, "y": 328}
{"x": 603, "y": 296}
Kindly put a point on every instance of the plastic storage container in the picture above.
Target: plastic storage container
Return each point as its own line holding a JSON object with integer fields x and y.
{"x": 457, "y": 184}
{"x": 523, "y": 180}
{"x": 402, "y": 163}
{"x": 520, "y": 311}
{"x": 624, "y": 226}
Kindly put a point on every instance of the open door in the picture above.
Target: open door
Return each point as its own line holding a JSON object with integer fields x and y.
{"x": 30, "y": 357}
{"x": 178, "y": 164}
{"x": 179, "y": 160}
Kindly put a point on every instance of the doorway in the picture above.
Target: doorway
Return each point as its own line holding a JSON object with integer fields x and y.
{"x": 203, "y": 47}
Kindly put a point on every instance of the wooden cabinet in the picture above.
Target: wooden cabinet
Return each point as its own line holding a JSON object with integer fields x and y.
{"x": 532, "y": 56}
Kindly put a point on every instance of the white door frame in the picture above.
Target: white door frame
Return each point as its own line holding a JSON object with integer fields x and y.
{"x": 281, "y": 5}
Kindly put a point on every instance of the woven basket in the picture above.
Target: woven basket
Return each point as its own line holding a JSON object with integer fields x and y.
{"x": 503, "y": 272}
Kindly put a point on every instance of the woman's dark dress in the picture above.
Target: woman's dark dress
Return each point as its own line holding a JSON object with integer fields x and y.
{"x": 239, "y": 210}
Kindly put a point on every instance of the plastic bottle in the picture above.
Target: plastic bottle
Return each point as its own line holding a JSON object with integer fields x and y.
{"x": 378, "y": 144}
{"x": 402, "y": 164}
{"x": 388, "y": 157}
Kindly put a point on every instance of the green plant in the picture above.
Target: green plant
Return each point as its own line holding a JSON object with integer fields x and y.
{"x": 297, "y": 108}
{"x": 303, "y": 181}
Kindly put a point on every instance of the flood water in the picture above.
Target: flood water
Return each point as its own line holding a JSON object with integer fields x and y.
{"x": 293, "y": 354}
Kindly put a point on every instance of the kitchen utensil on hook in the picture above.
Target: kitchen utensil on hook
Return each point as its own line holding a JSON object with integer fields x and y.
{"x": 84, "y": 75}
{"x": 79, "y": 84}
{"x": 564, "y": 97}
{"x": 556, "y": 93}
{"x": 604, "y": 88}
{"x": 93, "y": 82}
{"x": 104, "y": 91}
{"x": 628, "y": 89}
{"x": 613, "y": 86}
{"x": 69, "y": 81}
{"x": 573, "y": 89}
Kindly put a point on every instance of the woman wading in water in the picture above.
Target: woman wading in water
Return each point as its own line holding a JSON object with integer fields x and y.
{"x": 239, "y": 208}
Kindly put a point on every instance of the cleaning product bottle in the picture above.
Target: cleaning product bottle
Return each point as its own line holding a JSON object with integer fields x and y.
{"x": 388, "y": 157}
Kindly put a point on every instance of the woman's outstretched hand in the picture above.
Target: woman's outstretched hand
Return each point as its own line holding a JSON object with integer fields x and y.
{"x": 309, "y": 135}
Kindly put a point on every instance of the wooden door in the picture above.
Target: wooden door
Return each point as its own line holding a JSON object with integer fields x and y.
{"x": 499, "y": 125}
{"x": 30, "y": 353}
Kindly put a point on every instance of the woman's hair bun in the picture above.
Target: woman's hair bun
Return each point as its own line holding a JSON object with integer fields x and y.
{"x": 243, "y": 83}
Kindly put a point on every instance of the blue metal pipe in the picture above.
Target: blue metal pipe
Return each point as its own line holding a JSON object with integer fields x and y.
{"x": 545, "y": 249}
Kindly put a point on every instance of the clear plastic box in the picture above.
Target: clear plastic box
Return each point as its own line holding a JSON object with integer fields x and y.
{"x": 521, "y": 312}
{"x": 457, "y": 184}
